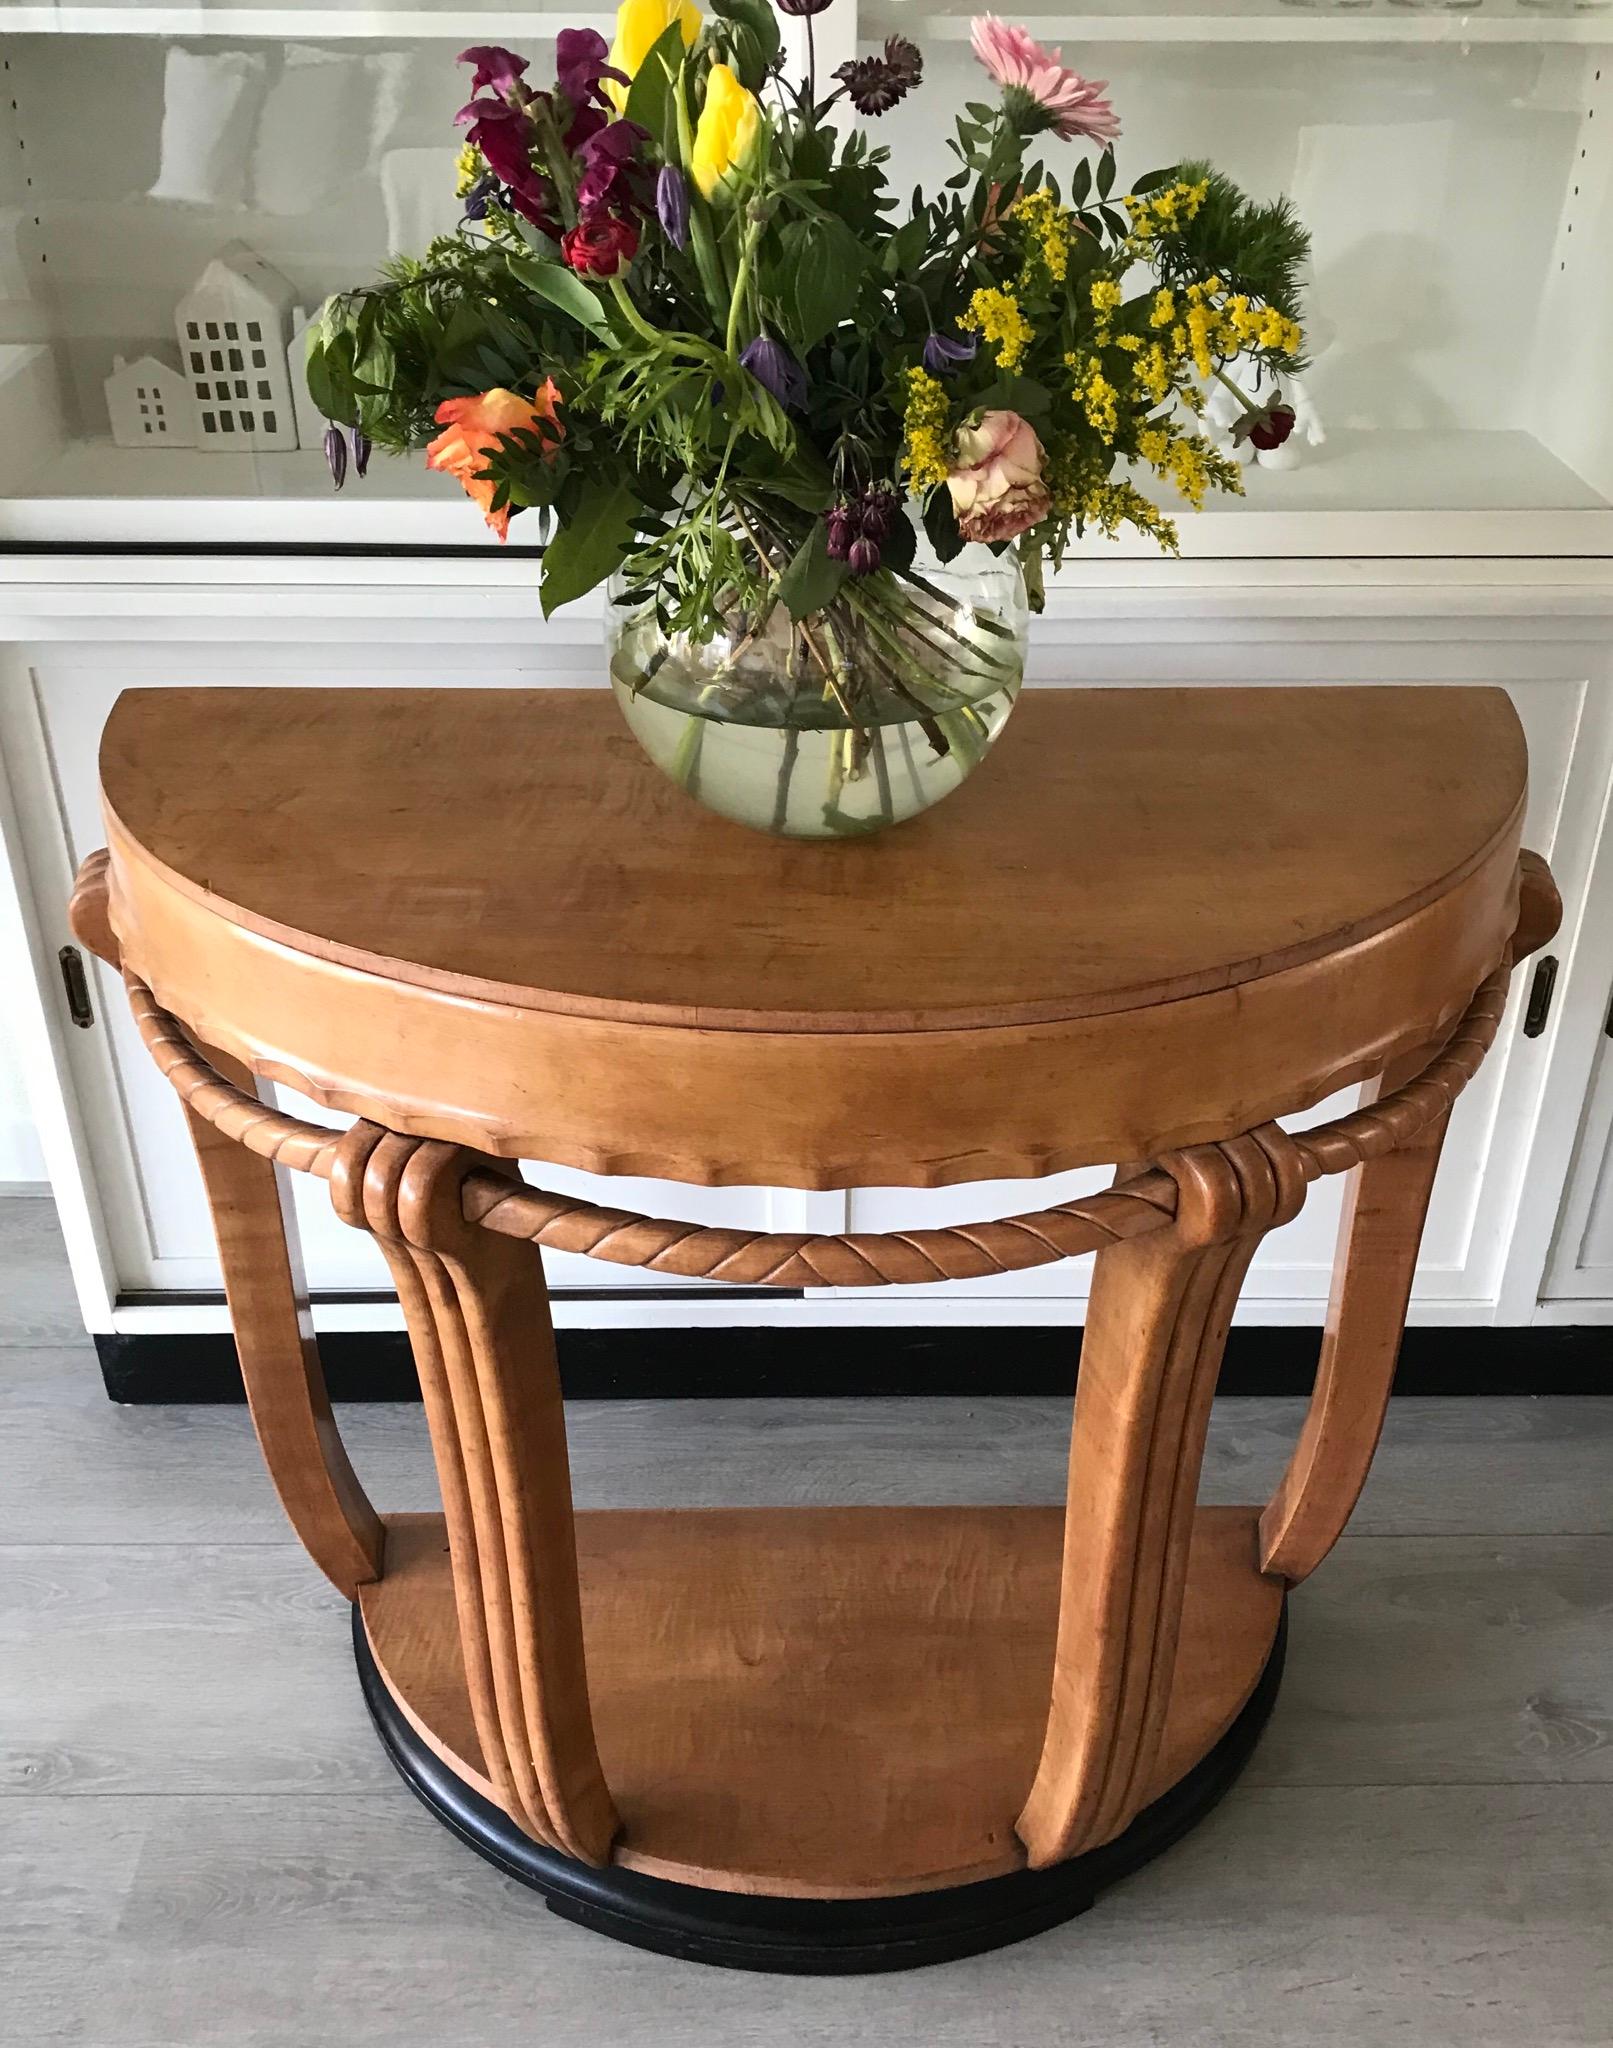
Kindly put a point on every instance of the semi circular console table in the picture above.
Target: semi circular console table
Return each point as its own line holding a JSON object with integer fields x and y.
{"x": 482, "y": 927}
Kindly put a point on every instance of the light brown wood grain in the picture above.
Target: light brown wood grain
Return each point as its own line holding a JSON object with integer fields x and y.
{"x": 1160, "y": 918}
{"x": 813, "y": 1109}
{"x": 832, "y": 1703}
{"x": 1157, "y": 920}
{"x": 1157, "y": 1322}
{"x": 250, "y": 1202}
{"x": 514, "y": 847}
{"x": 479, "y": 1319}
{"x": 1385, "y": 1204}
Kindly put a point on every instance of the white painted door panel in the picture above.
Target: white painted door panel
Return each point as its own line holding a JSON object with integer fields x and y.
{"x": 1581, "y": 1265}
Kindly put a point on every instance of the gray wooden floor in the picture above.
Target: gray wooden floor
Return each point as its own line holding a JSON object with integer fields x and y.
{"x": 201, "y": 1843}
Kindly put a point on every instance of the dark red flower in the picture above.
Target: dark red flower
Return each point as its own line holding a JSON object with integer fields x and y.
{"x": 613, "y": 179}
{"x": 1272, "y": 427}
{"x": 534, "y": 202}
{"x": 495, "y": 66}
{"x": 580, "y": 65}
{"x": 875, "y": 84}
{"x": 600, "y": 245}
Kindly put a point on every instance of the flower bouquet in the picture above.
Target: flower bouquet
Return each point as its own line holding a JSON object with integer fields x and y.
{"x": 820, "y": 443}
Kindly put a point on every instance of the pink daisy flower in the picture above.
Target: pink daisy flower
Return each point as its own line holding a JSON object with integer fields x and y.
{"x": 1061, "y": 99}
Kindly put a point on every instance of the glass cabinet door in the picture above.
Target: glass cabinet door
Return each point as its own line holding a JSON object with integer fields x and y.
{"x": 174, "y": 206}
{"x": 1455, "y": 169}
{"x": 173, "y": 210}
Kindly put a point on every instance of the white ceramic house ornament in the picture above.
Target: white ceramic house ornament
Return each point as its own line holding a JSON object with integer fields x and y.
{"x": 310, "y": 420}
{"x": 232, "y": 338}
{"x": 149, "y": 404}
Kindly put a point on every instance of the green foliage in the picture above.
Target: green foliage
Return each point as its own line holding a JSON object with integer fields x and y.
{"x": 650, "y": 97}
{"x": 593, "y": 536}
{"x": 1260, "y": 247}
{"x": 677, "y": 463}
{"x": 746, "y": 34}
{"x": 813, "y": 578}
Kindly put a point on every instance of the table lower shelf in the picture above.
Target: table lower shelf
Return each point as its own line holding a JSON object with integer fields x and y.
{"x": 822, "y": 1703}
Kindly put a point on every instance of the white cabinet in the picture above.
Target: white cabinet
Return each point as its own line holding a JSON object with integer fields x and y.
{"x": 1582, "y": 1258}
{"x": 76, "y": 639}
{"x": 1456, "y": 168}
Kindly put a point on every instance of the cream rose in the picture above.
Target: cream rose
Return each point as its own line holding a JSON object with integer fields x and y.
{"x": 996, "y": 483}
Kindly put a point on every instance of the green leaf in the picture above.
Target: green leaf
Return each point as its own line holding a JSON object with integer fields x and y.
{"x": 649, "y": 97}
{"x": 906, "y": 247}
{"x": 820, "y": 273}
{"x": 940, "y": 523}
{"x": 1154, "y": 180}
{"x": 1081, "y": 183}
{"x": 563, "y": 289}
{"x": 588, "y": 545}
{"x": 757, "y": 45}
{"x": 330, "y": 377}
{"x": 810, "y": 495}
{"x": 1024, "y": 395}
{"x": 900, "y": 544}
{"x": 813, "y": 577}
{"x": 1106, "y": 174}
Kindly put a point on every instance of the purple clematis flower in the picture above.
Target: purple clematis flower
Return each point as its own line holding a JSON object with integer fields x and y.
{"x": 362, "y": 449}
{"x": 776, "y": 370}
{"x": 944, "y": 353}
{"x": 336, "y": 453}
{"x": 672, "y": 204}
{"x": 580, "y": 66}
{"x": 498, "y": 68}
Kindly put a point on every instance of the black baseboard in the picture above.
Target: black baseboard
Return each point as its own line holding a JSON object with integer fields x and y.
{"x": 642, "y": 1365}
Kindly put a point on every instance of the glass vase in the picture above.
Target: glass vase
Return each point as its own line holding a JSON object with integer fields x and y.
{"x": 856, "y": 718}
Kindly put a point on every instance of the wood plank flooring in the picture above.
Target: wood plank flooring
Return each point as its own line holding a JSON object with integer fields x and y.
{"x": 200, "y": 1842}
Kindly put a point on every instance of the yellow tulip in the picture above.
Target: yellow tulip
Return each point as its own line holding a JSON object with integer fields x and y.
{"x": 640, "y": 25}
{"x": 726, "y": 135}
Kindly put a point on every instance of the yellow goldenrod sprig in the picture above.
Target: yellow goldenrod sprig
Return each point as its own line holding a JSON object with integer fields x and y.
{"x": 925, "y": 424}
{"x": 995, "y": 315}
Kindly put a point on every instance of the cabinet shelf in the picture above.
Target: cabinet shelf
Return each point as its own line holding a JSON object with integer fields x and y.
{"x": 1263, "y": 21}
{"x": 1129, "y": 21}
{"x": 327, "y": 20}
{"x": 1446, "y": 493}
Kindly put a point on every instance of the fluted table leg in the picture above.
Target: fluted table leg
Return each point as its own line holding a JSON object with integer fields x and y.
{"x": 478, "y": 1315}
{"x": 1156, "y": 1326}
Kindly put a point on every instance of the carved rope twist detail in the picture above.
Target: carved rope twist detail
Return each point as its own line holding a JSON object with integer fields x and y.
{"x": 1147, "y": 1201}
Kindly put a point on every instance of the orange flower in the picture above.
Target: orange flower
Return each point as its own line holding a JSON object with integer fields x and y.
{"x": 472, "y": 428}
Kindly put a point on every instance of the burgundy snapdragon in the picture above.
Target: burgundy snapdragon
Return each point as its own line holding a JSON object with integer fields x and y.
{"x": 612, "y": 175}
{"x": 500, "y": 127}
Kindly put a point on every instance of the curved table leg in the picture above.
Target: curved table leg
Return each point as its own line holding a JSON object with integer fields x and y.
{"x": 1385, "y": 1204}
{"x": 250, "y": 1200}
{"x": 478, "y": 1315}
{"x": 1156, "y": 1326}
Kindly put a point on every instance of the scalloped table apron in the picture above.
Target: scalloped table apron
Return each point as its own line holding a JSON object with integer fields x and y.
{"x": 480, "y": 925}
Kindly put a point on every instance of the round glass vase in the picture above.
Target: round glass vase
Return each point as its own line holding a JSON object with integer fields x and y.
{"x": 856, "y": 718}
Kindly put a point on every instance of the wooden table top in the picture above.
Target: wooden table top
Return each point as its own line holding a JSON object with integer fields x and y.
{"x": 1120, "y": 848}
